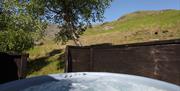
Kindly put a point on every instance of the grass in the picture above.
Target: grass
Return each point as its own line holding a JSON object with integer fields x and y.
{"x": 136, "y": 27}
{"x": 141, "y": 26}
{"x": 46, "y": 59}
{"x": 45, "y": 65}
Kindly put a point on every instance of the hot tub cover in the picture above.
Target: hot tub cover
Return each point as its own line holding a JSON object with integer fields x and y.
{"x": 86, "y": 81}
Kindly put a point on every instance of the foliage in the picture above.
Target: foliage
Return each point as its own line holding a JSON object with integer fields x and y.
{"x": 15, "y": 41}
{"x": 20, "y": 22}
{"x": 74, "y": 16}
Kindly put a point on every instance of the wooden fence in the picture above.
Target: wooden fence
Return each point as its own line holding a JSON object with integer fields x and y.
{"x": 159, "y": 59}
{"x": 12, "y": 67}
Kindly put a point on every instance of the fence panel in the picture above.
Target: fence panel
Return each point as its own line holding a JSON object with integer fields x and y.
{"x": 159, "y": 60}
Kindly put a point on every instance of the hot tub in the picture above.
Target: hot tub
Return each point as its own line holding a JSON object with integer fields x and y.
{"x": 86, "y": 81}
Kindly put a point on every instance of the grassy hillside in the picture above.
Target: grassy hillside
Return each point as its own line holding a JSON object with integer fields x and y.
{"x": 46, "y": 59}
{"x": 135, "y": 27}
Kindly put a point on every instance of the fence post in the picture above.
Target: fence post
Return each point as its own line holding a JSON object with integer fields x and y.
{"x": 68, "y": 61}
{"x": 91, "y": 59}
{"x": 21, "y": 61}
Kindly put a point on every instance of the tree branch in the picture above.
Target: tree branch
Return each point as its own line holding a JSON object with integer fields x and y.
{"x": 55, "y": 11}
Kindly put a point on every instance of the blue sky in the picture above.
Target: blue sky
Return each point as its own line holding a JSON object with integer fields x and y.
{"x": 121, "y": 7}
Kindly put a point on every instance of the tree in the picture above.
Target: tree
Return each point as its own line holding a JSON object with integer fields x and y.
{"x": 15, "y": 41}
{"x": 73, "y": 16}
{"x": 20, "y": 20}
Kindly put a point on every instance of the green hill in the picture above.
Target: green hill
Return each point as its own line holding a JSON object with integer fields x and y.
{"x": 139, "y": 26}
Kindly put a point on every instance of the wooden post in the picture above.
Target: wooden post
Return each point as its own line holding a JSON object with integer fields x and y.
{"x": 91, "y": 59}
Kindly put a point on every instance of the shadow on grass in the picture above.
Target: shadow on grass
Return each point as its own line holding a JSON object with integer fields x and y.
{"x": 39, "y": 63}
{"x": 61, "y": 64}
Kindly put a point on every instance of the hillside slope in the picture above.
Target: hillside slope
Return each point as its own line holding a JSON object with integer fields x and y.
{"x": 139, "y": 26}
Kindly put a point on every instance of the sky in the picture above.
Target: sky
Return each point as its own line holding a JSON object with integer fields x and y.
{"x": 119, "y": 8}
